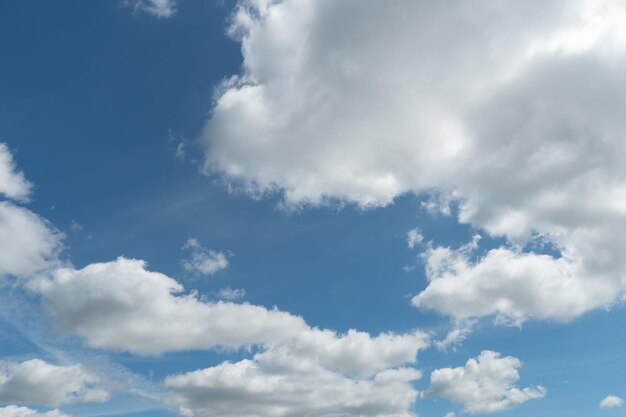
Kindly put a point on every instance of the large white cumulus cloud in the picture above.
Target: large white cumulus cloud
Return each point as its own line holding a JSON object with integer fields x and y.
{"x": 513, "y": 108}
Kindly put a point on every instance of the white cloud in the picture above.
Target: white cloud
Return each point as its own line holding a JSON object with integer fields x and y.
{"x": 28, "y": 243}
{"x": 459, "y": 332}
{"x": 450, "y": 414}
{"x": 231, "y": 294}
{"x": 511, "y": 285}
{"x": 397, "y": 101}
{"x": 414, "y": 237}
{"x": 13, "y": 184}
{"x": 158, "y": 8}
{"x": 202, "y": 260}
{"x": 611, "y": 401}
{"x": 483, "y": 385}
{"x": 15, "y": 411}
{"x": 121, "y": 306}
{"x": 353, "y": 353}
{"x": 38, "y": 382}
{"x": 284, "y": 386}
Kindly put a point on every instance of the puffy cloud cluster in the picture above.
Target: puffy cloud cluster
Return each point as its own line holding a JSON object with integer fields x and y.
{"x": 38, "y": 382}
{"x": 512, "y": 108}
{"x": 484, "y": 384}
{"x": 275, "y": 385}
{"x": 15, "y": 411}
{"x": 511, "y": 285}
{"x": 121, "y": 306}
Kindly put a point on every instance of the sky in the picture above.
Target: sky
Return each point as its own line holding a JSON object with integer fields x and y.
{"x": 312, "y": 208}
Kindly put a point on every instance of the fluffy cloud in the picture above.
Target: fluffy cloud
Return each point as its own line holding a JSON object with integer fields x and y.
{"x": 483, "y": 385}
{"x": 512, "y": 108}
{"x": 414, "y": 237}
{"x": 297, "y": 370}
{"x": 121, "y": 306}
{"x": 511, "y": 285}
{"x": 28, "y": 243}
{"x": 38, "y": 382}
{"x": 14, "y": 411}
{"x": 611, "y": 401}
{"x": 202, "y": 260}
{"x": 284, "y": 386}
{"x": 12, "y": 182}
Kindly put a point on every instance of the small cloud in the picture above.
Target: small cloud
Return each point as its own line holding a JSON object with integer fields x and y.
{"x": 75, "y": 227}
{"x": 611, "y": 401}
{"x": 157, "y": 8}
{"x": 450, "y": 414}
{"x": 231, "y": 294}
{"x": 456, "y": 335}
{"x": 178, "y": 145}
{"x": 180, "y": 151}
{"x": 414, "y": 237}
{"x": 437, "y": 204}
{"x": 202, "y": 260}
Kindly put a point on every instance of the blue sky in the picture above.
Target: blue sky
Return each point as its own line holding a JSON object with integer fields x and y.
{"x": 315, "y": 175}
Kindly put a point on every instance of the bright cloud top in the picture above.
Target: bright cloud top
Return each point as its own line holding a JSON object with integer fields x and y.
{"x": 484, "y": 385}
{"x": 611, "y": 401}
{"x": 38, "y": 382}
{"x": 481, "y": 104}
